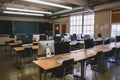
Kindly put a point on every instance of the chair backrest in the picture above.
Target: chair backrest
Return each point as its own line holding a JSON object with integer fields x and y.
{"x": 117, "y": 38}
{"x": 28, "y": 50}
{"x": 114, "y": 51}
{"x": 99, "y": 55}
{"x": 111, "y": 53}
{"x": 68, "y": 66}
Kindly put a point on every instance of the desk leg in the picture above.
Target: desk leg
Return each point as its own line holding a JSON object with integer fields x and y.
{"x": 82, "y": 70}
{"x": 40, "y": 74}
{"x": 45, "y": 75}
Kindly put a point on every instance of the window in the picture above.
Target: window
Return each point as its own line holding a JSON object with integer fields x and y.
{"x": 115, "y": 30}
{"x": 88, "y": 26}
{"x": 82, "y": 24}
{"x": 76, "y": 24}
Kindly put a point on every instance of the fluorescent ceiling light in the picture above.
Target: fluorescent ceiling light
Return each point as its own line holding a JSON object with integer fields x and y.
{"x": 48, "y": 3}
{"x": 22, "y": 13}
{"x": 26, "y": 10}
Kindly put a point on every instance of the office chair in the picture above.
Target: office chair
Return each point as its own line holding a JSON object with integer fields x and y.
{"x": 66, "y": 67}
{"x": 118, "y": 54}
{"x": 97, "y": 63}
{"x": 111, "y": 56}
{"x": 117, "y": 38}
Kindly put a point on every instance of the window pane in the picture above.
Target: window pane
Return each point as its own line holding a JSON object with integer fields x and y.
{"x": 115, "y": 30}
{"x": 88, "y": 24}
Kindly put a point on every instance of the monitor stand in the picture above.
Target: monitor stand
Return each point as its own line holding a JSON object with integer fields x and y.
{"x": 48, "y": 53}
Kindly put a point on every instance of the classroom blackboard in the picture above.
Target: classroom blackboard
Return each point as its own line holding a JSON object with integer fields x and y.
{"x": 45, "y": 27}
{"x": 23, "y": 27}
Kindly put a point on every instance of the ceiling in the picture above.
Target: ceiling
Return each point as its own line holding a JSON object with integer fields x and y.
{"x": 77, "y": 5}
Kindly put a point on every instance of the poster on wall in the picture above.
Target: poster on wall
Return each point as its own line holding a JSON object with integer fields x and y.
{"x": 106, "y": 26}
{"x": 57, "y": 29}
{"x": 63, "y": 28}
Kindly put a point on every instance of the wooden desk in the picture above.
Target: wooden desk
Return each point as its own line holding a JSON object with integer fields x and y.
{"x": 18, "y": 51}
{"x": 22, "y": 48}
{"x": 49, "y": 64}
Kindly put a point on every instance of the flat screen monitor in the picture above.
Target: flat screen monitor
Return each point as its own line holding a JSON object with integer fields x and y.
{"x": 66, "y": 38}
{"x": 58, "y": 34}
{"x": 79, "y": 37}
{"x": 106, "y": 40}
{"x": 27, "y": 39}
{"x": 36, "y": 37}
{"x": 99, "y": 35}
{"x": 62, "y": 48}
{"x": 12, "y": 36}
{"x": 73, "y": 37}
{"x": 117, "y": 38}
{"x": 62, "y": 35}
{"x": 43, "y": 37}
{"x": 88, "y": 43}
{"x": 42, "y": 45}
{"x": 57, "y": 39}
{"x": 18, "y": 37}
{"x": 49, "y": 33}
{"x": 86, "y": 37}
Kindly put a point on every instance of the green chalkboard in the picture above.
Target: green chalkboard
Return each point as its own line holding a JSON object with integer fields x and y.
{"x": 23, "y": 27}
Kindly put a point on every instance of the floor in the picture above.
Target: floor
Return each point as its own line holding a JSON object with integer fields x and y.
{"x": 8, "y": 71}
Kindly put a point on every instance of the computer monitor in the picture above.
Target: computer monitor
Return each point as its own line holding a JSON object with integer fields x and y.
{"x": 88, "y": 43}
{"x": 73, "y": 37}
{"x": 36, "y": 37}
{"x": 79, "y": 37}
{"x": 62, "y": 35}
{"x": 99, "y": 35}
{"x": 43, "y": 37}
{"x": 66, "y": 38}
{"x": 86, "y": 37}
{"x": 58, "y": 35}
{"x": 42, "y": 45}
{"x": 106, "y": 40}
{"x": 18, "y": 37}
{"x": 12, "y": 36}
{"x": 27, "y": 39}
{"x": 117, "y": 38}
{"x": 62, "y": 48}
{"x": 57, "y": 38}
